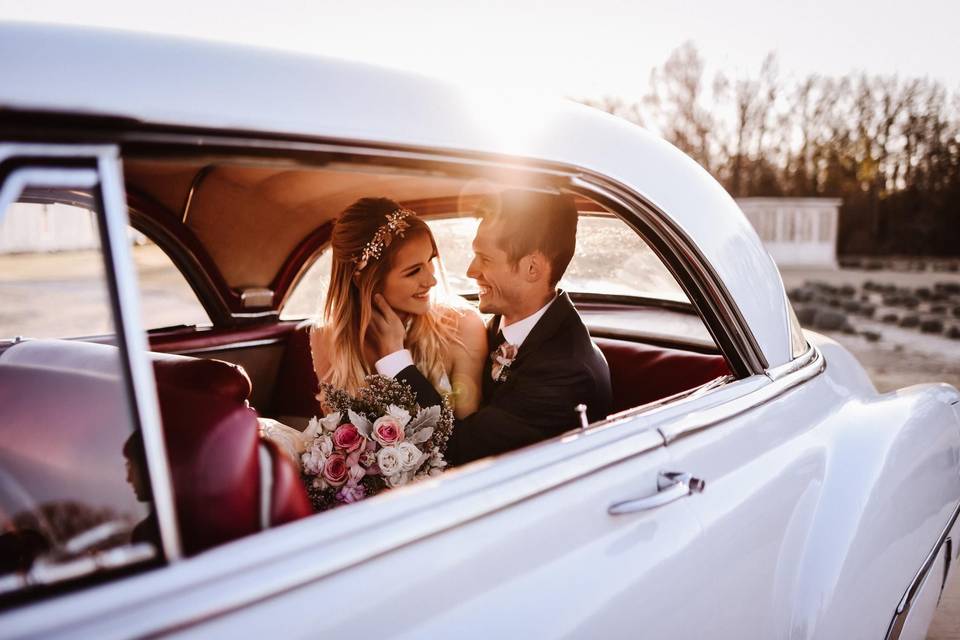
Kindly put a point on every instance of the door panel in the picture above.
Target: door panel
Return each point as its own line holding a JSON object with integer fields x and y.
{"x": 554, "y": 565}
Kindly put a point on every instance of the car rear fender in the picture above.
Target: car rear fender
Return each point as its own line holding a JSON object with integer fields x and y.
{"x": 891, "y": 485}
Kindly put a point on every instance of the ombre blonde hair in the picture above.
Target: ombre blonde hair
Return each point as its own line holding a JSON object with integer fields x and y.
{"x": 348, "y": 309}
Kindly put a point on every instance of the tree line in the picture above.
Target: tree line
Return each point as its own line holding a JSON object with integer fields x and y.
{"x": 888, "y": 146}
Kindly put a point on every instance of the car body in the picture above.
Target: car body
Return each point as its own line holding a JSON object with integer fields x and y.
{"x": 752, "y": 482}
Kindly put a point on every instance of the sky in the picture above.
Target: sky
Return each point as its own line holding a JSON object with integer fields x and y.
{"x": 586, "y": 49}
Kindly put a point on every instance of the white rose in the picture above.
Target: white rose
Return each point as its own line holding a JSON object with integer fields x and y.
{"x": 326, "y": 445}
{"x": 331, "y": 421}
{"x": 401, "y": 415}
{"x": 396, "y": 480}
{"x": 313, "y": 460}
{"x": 409, "y": 456}
{"x": 388, "y": 459}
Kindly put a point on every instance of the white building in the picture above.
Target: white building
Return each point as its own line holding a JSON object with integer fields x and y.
{"x": 798, "y": 232}
{"x": 30, "y": 228}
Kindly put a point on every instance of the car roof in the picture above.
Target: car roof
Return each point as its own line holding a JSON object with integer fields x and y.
{"x": 169, "y": 81}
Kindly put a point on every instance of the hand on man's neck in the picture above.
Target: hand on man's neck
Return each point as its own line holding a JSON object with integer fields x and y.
{"x": 530, "y": 306}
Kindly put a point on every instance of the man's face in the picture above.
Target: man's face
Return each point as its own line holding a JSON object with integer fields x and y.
{"x": 501, "y": 286}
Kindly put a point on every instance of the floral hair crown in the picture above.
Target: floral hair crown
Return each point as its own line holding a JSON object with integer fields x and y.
{"x": 395, "y": 226}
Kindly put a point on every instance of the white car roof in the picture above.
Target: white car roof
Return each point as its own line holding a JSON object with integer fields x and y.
{"x": 172, "y": 81}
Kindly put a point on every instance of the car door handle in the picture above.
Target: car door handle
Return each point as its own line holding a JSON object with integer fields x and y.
{"x": 671, "y": 485}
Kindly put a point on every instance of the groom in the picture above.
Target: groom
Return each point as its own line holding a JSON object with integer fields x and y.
{"x": 542, "y": 363}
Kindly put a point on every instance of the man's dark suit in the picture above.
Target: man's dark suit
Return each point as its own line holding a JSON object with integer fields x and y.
{"x": 557, "y": 367}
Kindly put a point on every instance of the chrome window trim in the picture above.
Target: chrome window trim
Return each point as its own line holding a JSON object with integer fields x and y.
{"x": 743, "y": 395}
{"x": 906, "y": 602}
{"x": 125, "y": 307}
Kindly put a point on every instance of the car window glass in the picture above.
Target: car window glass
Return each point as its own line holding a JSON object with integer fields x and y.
{"x": 611, "y": 258}
{"x": 306, "y": 299}
{"x": 72, "y": 476}
{"x": 166, "y": 298}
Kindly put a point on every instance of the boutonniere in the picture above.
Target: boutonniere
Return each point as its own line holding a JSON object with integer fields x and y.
{"x": 502, "y": 358}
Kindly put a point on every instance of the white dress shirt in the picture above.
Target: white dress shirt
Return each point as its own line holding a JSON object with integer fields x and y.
{"x": 517, "y": 332}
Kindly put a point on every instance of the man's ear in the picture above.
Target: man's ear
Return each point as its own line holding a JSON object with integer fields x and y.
{"x": 534, "y": 267}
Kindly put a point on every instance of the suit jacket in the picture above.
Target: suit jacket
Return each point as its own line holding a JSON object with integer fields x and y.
{"x": 557, "y": 367}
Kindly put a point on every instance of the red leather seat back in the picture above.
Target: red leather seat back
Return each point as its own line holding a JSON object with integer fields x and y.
{"x": 211, "y": 433}
{"x": 641, "y": 373}
{"x": 296, "y": 387}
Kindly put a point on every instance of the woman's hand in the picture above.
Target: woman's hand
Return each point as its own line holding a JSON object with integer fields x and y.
{"x": 387, "y": 330}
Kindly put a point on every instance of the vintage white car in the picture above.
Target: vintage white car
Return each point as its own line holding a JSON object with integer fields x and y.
{"x": 165, "y": 207}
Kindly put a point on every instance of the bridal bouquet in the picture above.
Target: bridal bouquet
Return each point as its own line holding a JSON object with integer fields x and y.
{"x": 376, "y": 440}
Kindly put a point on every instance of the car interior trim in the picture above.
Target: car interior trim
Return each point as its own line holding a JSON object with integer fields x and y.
{"x": 194, "y": 185}
{"x": 266, "y": 484}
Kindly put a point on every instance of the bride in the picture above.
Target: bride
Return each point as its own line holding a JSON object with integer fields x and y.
{"x": 381, "y": 248}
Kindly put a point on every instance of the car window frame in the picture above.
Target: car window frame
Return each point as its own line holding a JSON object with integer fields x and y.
{"x": 24, "y": 164}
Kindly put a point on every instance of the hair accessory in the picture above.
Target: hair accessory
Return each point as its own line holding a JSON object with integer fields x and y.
{"x": 393, "y": 227}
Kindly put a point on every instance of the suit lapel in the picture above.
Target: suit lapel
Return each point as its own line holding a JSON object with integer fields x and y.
{"x": 547, "y": 326}
{"x": 487, "y": 384}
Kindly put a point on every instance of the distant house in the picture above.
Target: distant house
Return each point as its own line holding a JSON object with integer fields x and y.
{"x": 29, "y": 228}
{"x": 44, "y": 228}
{"x": 798, "y": 232}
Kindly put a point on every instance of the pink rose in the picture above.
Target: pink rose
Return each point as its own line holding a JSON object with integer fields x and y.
{"x": 387, "y": 431}
{"x": 347, "y": 438}
{"x": 335, "y": 470}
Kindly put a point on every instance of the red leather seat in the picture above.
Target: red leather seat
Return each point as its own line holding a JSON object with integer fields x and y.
{"x": 68, "y": 393}
{"x": 641, "y": 373}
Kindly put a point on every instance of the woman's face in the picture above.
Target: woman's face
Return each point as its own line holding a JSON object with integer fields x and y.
{"x": 407, "y": 284}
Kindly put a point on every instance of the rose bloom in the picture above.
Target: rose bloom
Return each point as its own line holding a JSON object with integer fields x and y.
{"x": 388, "y": 459}
{"x": 396, "y": 480}
{"x": 387, "y": 431}
{"x": 409, "y": 455}
{"x": 335, "y": 470}
{"x": 347, "y": 438}
{"x": 313, "y": 460}
{"x": 367, "y": 459}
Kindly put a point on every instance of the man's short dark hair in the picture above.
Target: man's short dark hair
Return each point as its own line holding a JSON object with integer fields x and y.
{"x": 530, "y": 221}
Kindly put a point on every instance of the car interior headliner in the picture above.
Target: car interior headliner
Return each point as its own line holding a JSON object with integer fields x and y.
{"x": 250, "y": 217}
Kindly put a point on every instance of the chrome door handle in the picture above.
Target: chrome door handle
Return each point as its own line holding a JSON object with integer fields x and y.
{"x": 671, "y": 485}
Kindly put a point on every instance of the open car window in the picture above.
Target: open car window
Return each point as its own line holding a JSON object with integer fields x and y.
{"x": 73, "y": 488}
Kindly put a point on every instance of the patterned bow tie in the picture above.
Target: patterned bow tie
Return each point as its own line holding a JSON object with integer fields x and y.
{"x": 502, "y": 358}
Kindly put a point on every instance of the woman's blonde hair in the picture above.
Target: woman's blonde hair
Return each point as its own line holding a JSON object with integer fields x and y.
{"x": 349, "y": 306}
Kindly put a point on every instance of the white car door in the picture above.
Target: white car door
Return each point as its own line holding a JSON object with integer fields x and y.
{"x": 536, "y": 554}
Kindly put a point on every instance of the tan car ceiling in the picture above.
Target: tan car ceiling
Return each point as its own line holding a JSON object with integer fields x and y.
{"x": 250, "y": 218}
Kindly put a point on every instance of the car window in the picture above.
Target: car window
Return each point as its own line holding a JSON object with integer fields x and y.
{"x": 306, "y": 299}
{"x": 166, "y": 297}
{"x": 51, "y": 250}
{"x": 73, "y": 484}
{"x": 611, "y": 258}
